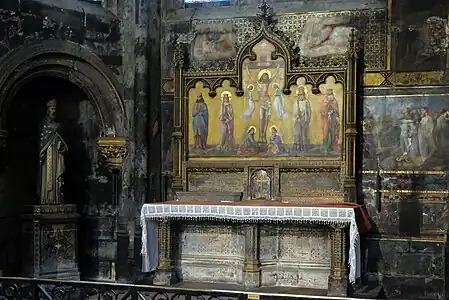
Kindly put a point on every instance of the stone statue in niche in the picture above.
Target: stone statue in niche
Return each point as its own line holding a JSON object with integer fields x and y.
{"x": 52, "y": 149}
{"x": 260, "y": 185}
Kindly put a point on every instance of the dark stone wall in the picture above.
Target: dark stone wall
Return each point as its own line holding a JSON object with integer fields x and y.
{"x": 405, "y": 253}
{"x": 125, "y": 38}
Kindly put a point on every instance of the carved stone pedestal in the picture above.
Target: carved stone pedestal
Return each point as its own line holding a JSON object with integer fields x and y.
{"x": 49, "y": 235}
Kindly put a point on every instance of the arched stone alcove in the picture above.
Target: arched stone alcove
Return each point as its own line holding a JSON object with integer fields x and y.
{"x": 66, "y": 60}
{"x": 90, "y": 104}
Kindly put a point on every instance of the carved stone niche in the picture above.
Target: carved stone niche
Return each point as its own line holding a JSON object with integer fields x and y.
{"x": 260, "y": 184}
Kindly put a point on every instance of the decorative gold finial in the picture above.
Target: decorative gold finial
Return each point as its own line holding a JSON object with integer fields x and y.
{"x": 178, "y": 55}
{"x": 114, "y": 151}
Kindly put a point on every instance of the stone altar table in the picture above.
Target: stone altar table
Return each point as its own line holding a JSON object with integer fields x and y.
{"x": 252, "y": 244}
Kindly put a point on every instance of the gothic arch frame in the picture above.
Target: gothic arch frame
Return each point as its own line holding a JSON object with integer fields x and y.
{"x": 70, "y": 61}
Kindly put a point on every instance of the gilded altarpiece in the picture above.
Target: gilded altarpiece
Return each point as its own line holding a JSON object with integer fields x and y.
{"x": 269, "y": 125}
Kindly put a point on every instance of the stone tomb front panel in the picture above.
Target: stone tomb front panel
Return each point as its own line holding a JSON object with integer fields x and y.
{"x": 290, "y": 255}
{"x": 210, "y": 252}
{"x": 295, "y": 256}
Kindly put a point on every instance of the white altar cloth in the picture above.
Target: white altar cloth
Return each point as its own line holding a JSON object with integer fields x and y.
{"x": 281, "y": 213}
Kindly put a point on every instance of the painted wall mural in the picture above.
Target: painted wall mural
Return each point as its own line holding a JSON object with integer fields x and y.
{"x": 325, "y": 35}
{"x": 265, "y": 122}
{"x": 406, "y": 132}
{"x": 420, "y": 33}
{"x": 213, "y": 42}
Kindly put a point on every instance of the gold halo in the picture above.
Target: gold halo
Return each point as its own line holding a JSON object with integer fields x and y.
{"x": 250, "y": 86}
{"x": 304, "y": 87}
{"x": 252, "y": 127}
{"x": 226, "y": 93}
{"x": 264, "y": 71}
{"x": 274, "y": 126}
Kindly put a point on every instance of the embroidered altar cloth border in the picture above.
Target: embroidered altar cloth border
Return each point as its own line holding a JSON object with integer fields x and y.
{"x": 332, "y": 213}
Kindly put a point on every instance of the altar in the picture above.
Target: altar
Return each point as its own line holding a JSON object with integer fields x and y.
{"x": 253, "y": 245}
{"x": 264, "y": 176}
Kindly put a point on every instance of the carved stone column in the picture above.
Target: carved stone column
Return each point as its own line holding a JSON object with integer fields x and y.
{"x": 338, "y": 279}
{"x": 165, "y": 273}
{"x": 350, "y": 117}
{"x": 114, "y": 151}
{"x": 251, "y": 265}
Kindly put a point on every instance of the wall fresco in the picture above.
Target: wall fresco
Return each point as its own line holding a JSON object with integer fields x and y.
{"x": 406, "y": 131}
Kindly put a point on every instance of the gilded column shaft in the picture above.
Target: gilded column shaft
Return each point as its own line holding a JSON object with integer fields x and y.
{"x": 178, "y": 130}
{"x": 165, "y": 245}
{"x": 338, "y": 257}
{"x": 350, "y": 170}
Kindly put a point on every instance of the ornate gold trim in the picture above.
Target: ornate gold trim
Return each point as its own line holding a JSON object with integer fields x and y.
{"x": 389, "y": 78}
{"x": 212, "y": 170}
{"x": 408, "y": 172}
{"x": 308, "y": 170}
{"x": 415, "y": 192}
{"x": 114, "y": 151}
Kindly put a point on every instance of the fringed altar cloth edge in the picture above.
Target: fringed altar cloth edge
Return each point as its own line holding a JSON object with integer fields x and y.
{"x": 245, "y": 212}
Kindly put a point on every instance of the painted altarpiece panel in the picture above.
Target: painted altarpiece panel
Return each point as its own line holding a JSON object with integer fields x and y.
{"x": 265, "y": 126}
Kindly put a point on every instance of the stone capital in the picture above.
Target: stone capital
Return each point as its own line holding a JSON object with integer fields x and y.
{"x": 114, "y": 151}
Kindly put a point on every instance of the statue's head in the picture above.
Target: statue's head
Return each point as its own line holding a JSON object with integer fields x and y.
{"x": 51, "y": 109}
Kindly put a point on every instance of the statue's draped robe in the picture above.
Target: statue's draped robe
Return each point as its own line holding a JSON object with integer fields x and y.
{"x": 51, "y": 164}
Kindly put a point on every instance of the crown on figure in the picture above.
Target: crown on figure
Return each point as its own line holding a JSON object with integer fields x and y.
{"x": 51, "y": 103}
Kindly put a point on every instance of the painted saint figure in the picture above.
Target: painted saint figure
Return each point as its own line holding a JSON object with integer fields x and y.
{"x": 263, "y": 83}
{"x": 200, "y": 123}
{"x": 276, "y": 145}
{"x": 425, "y": 134}
{"x": 330, "y": 122}
{"x": 52, "y": 149}
{"x": 301, "y": 116}
{"x": 248, "y": 113}
{"x": 279, "y": 102}
{"x": 249, "y": 146}
{"x": 226, "y": 117}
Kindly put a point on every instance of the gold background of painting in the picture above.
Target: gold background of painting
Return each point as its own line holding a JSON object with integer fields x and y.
{"x": 239, "y": 105}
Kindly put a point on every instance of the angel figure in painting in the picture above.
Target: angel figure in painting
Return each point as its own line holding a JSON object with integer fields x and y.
{"x": 248, "y": 113}
{"x": 226, "y": 117}
{"x": 279, "y": 102}
{"x": 302, "y": 114}
{"x": 249, "y": 146}
{"x": 200, "y": 123}
{"x": 276, "y": 145}
{"x": 330, "y": 122}
{"x": 264, "y": 80}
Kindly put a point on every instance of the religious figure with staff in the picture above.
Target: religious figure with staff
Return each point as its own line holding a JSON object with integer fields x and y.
{"x": 52, "y": 149}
